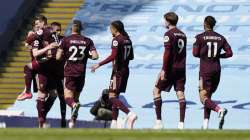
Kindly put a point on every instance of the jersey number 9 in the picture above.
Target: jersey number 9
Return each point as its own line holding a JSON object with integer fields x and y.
{"x": 181, "y": 45}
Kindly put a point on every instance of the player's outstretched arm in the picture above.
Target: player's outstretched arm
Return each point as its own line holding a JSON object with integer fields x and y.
{"x": 110, "y": 58}
{"x": 94, "y": 67}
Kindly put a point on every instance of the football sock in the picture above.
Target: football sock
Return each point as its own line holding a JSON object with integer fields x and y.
{"x": 62, "y": 106}
{"x": 49, "y": 103}
{"x": 114, "y": 113}
{"x": 28, "y": 78}
{"x": 182, "y": 104}
{"x": 62, "y": 101}
{"x": 211, "y": 105}
{"x": 158, "y": 104}
{"x": 60, "y": 95}
{"x": 207, "y": 113}
{"x": 116, "y": 103}
{"x": 70, "y": 102}
{"x": 41, "y": 111}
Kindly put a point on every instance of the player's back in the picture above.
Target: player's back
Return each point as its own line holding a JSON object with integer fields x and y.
{"x": 178, "y": 41}
{"x": 210, "y": 45}
{"x": 76, "y": 50}
{"x": 125, "y": 52}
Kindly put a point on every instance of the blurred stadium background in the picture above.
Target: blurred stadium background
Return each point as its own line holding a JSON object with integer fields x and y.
{"x": 143, "y": 21}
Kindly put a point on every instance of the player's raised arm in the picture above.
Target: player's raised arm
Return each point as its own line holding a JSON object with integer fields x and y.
{"x": 30, "y": 39}
{"x": 196, "y": 48}
{"x": 228, "y": 51}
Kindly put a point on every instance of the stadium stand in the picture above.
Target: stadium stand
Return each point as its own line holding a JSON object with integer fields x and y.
{"x": 11, "y": 20}
{"x": 14, "y": 28}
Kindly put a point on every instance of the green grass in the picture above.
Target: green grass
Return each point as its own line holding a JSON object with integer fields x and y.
{"x": 107, "y": 134}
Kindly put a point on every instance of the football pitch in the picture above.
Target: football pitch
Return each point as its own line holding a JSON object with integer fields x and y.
{"x": 107, "y": 134}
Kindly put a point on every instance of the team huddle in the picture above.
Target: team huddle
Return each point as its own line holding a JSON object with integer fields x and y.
{"x": 58, "y": 68}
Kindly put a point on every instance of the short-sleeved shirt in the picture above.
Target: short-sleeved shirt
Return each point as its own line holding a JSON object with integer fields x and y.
{"x": 76, "y": 50}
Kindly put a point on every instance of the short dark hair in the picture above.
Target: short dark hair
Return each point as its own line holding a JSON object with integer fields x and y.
{"x": 171, "y": 17}
{"x": 41, "y": 18}
{"x": 55, "y": 24}
{"x": 210, "y": 21}
{"x": 78, "y": 25}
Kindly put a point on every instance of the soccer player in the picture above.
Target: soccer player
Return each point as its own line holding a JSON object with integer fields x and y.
{"x": 76, "y": 49}
{"x": 173, "y": 72}
{"x": 208, "y": 46}
{"x": 43, "y": 42}
{"x": 30, "y": 69}
{"x": 122, "y": 53}
{"x": 57, "y": 73}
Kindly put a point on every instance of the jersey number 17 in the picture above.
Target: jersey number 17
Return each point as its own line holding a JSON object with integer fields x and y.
{"x": 127, "y": 50}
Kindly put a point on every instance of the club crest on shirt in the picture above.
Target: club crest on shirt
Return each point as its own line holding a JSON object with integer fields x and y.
{"x": 36, "y": 43}
{"x": 115, "y": 43}
{"x": 195, "y": 39}
{"x": 166, "y": 39}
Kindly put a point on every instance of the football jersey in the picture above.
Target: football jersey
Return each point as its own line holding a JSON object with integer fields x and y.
{"x": 208, "y": 46}
{"x": 124, "y": 51}
{"x": 76, "y": 50}
{"x": 175, "y": 43}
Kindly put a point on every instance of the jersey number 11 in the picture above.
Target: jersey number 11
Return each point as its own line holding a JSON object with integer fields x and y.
{"x": 212, "y": 46}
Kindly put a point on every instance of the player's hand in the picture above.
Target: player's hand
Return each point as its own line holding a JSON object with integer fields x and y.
{"x": 162, "y": 75}
{"x": 94, "y": 67}
{"x": 53, "y": 45}
{"x": 31, "y": 33}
